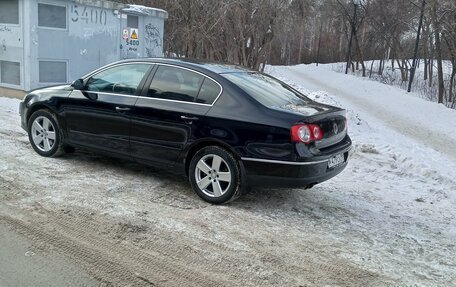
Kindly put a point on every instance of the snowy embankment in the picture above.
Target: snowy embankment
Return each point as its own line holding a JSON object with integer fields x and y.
{"x": 391, "y": 75}
{"x": 404, "y": 166}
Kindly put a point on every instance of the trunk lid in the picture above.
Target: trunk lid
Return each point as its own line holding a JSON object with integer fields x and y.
{"x": 331, "y": 120}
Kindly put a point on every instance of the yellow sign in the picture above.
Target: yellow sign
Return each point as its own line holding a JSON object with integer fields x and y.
{"x": 134, "y": 34}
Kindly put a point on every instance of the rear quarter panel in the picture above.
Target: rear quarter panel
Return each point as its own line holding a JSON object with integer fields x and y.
{"x": 251, "y": 129}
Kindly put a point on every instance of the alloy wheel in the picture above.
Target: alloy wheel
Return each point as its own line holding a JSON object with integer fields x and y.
{"x": 213, "y": 176}
{"x": 43, "y": 134}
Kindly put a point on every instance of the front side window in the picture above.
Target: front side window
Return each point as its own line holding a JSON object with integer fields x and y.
{"x": 52, "y": 16}
{"x": 267, "y": 90}
{"x": 177, "y": 84}
{"x": 9, "y": 11}
{"x": 123, "y": 79}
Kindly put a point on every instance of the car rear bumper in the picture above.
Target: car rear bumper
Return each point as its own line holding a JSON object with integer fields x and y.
{"x": 270, "y": 173}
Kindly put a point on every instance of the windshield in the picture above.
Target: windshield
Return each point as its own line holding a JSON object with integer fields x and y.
{"x": 267, "y": 90}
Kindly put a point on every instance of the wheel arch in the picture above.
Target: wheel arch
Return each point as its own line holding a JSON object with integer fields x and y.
{"x": 196, "y": 146}
{"x": 43, "y": 106}
{"x": 36, "y": 107}
{"x": 58, "y": 146}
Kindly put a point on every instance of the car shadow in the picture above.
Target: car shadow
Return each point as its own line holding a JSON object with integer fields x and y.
{"x": 143, "y": 181}
{"x": 122, "y": 165}
{"x": 174, "y": 189}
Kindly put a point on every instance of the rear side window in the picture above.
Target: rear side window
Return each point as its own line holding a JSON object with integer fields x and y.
{"x": 123, "y": 79}
{"x": 267, "y": 90}
{"x": 209, "y": 92}
{"x": 176, "y": 84}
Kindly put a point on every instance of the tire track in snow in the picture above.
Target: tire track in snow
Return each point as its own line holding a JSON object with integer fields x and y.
{"x": 91, "y": 242}
{"x": 108, "y": 263}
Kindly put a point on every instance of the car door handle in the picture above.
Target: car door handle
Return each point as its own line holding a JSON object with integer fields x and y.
{"x": 120, "y": 109}
{"x": 187, "y": 118}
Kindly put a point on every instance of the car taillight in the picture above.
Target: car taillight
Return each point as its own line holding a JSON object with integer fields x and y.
{"x": 306, "y": 133}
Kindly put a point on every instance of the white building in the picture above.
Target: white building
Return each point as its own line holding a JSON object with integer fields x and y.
{"x": 47, "y": 42}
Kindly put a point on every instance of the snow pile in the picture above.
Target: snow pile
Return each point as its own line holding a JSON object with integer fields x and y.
{"x": 391, "y": 75}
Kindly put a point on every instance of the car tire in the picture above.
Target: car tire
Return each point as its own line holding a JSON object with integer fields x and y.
{"x": 215, "y": 175}
{"x": 45, "y": 134}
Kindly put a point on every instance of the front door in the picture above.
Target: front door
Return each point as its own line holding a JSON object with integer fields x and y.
{"x": 99, "y": 116}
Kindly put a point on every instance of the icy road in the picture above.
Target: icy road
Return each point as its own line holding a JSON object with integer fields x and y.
{"x": 388, "y": 219}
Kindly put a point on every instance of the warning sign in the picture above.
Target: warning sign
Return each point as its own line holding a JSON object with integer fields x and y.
{"x": 125, "y": 34}
{"x": 134, "y": 34}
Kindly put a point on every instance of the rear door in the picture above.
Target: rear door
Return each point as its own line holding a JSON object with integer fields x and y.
{"x": 170, "y": 111}
{"x": 99, "y": 116}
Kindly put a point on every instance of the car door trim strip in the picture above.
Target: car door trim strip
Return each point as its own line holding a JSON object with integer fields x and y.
{"x": 283, "y": 162}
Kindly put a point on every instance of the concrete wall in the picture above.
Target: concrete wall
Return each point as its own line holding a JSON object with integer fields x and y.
{"x": 87, "y": 34}
{"x": 90, "y": 40}
{"x": 12, "y": 51}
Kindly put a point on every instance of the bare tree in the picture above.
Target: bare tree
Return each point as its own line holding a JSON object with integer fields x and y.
{"x": 438, "y": 47}
{"x": 253, "y": 33}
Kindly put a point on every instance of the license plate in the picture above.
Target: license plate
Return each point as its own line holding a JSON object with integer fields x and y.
{"x": 336, "y": 161}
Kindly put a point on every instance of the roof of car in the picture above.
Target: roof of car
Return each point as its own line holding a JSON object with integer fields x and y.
{"x": 215, "y": 67}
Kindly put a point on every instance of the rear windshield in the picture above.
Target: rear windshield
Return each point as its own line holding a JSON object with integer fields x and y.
{"x": 267, "y": 90}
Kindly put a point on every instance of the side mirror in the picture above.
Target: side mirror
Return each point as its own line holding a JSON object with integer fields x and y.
{"x": 78, "y": 85}
{"x": 90, "y": 96}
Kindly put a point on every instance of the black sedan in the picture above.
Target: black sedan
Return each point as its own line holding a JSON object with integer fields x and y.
{"x": 223, "y": 126}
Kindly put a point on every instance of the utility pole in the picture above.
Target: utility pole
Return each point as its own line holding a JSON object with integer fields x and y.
{"x": 417, "y": 43}
{"x": 352, "y": 33}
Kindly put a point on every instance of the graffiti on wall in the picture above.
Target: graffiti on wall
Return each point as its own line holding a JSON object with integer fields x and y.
{"x": 5, "y": 33}
{"x": 9, "y": 38}
{"x": 153, "y": 39}
{"x": 5, "y": 29}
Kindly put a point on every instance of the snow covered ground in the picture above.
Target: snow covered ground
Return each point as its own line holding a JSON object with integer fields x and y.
{"x": 403, "y": 173}
{"x": 388, "y": 219}
{"x": 392, "y": 76}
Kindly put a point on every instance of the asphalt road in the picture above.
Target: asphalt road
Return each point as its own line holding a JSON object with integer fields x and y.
{"x": 25, "y": 264}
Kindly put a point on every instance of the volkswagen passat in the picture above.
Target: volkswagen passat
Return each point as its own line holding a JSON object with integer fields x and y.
{"x": 223, "y": 126}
